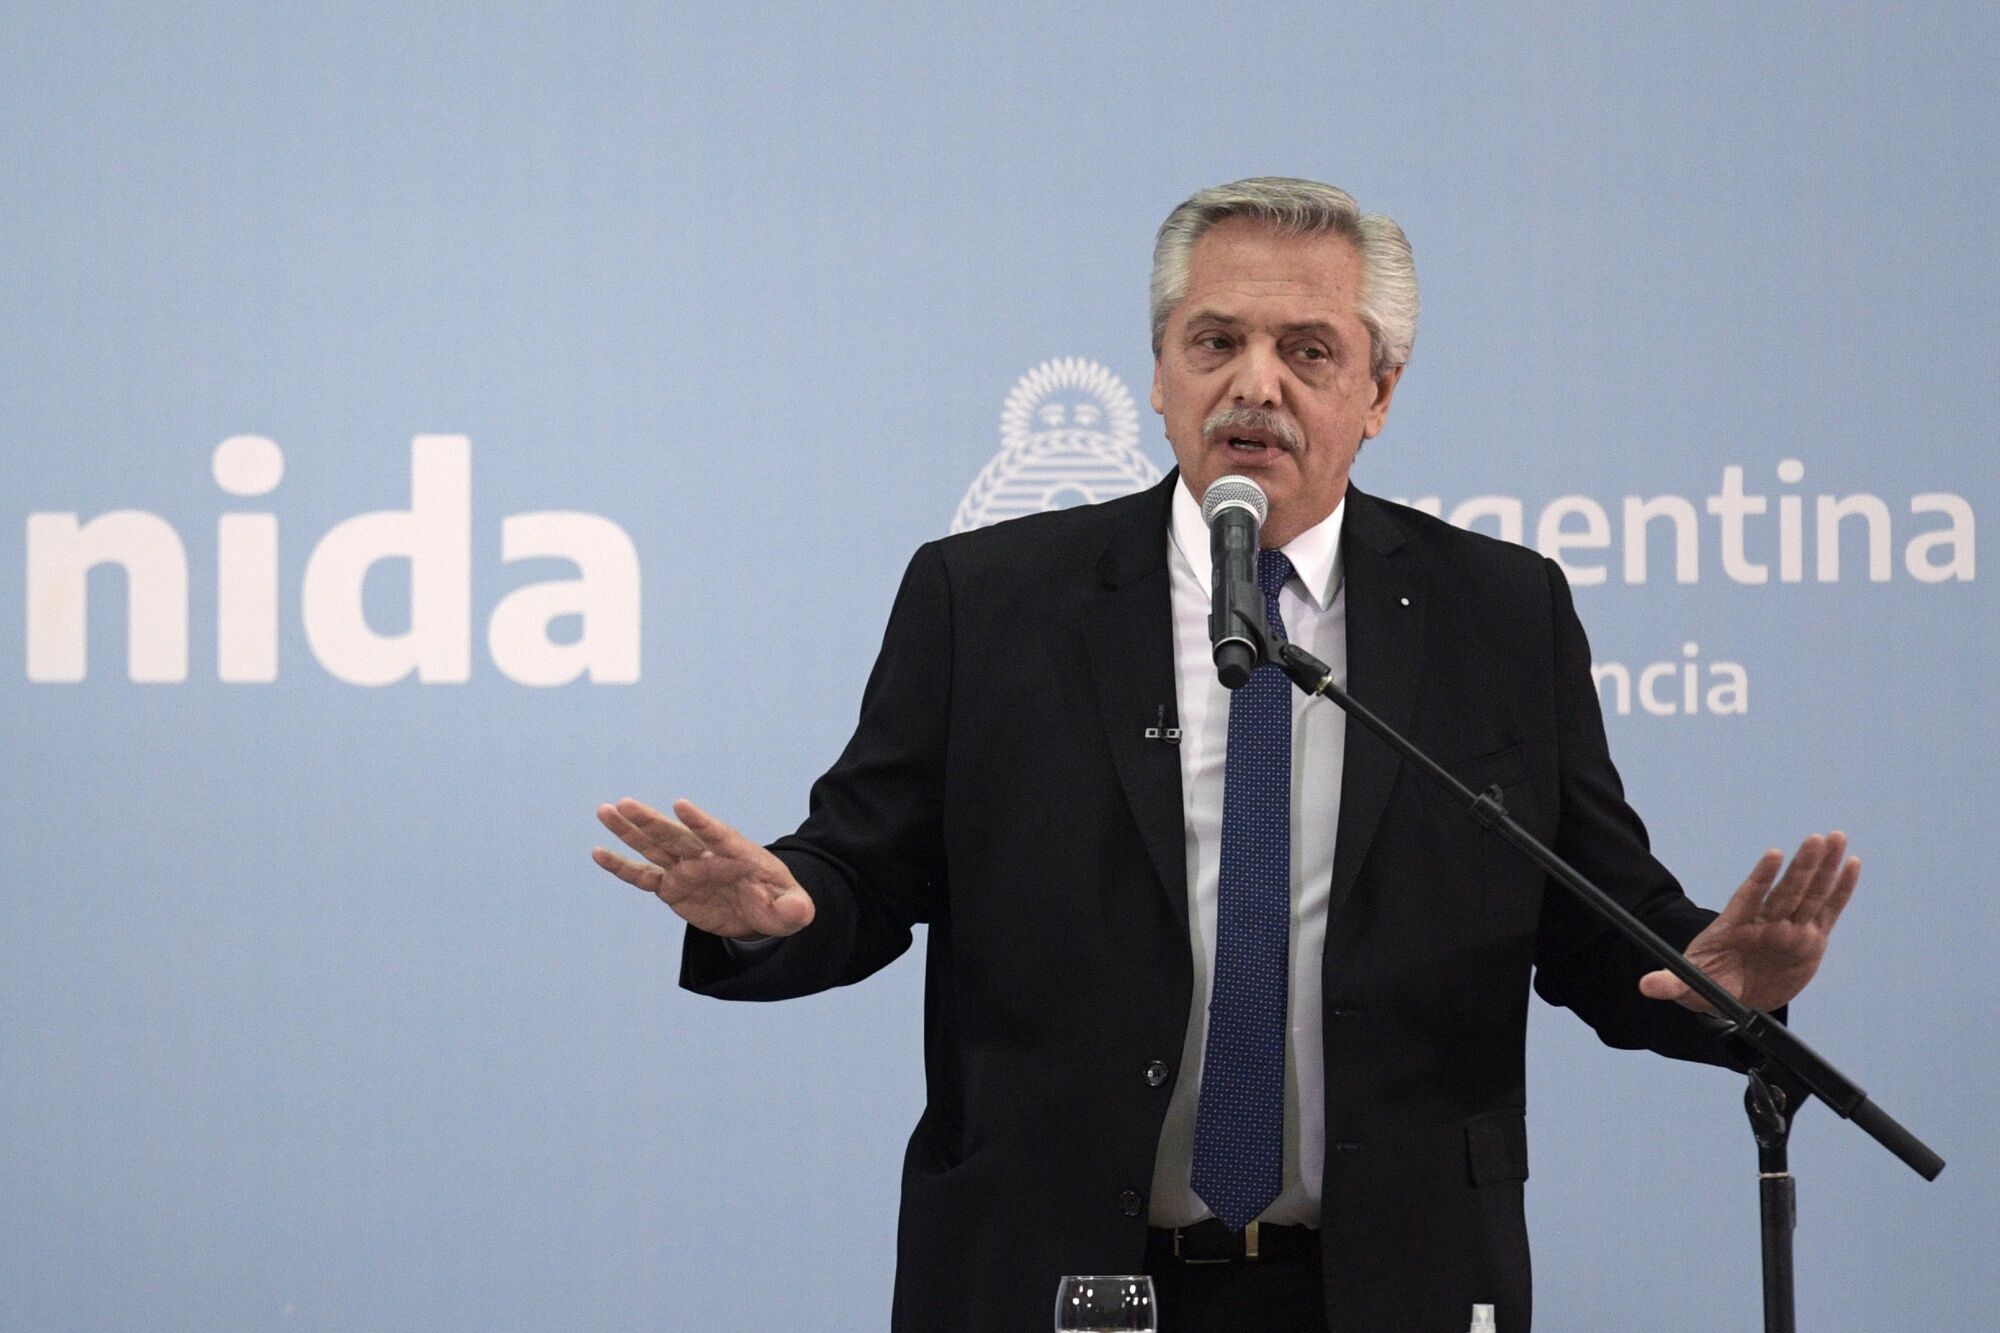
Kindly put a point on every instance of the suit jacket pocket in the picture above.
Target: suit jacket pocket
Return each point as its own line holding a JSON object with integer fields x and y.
{"x": 1505, "y": 767}
{"x": 1496, "y": 1146}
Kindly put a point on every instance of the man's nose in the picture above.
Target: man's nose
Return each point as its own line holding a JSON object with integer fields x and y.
{"x": 1257, "y": 376}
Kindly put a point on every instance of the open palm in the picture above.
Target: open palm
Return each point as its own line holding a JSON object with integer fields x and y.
{"x": 1770, "y": 939}
{"x": 714, "y": 877}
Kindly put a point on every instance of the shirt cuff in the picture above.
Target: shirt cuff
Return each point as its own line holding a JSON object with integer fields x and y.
{"x": 749, "y": 948}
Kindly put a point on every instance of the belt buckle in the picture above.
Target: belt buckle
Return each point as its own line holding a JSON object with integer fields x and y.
{"x": 1249, "y": 1248}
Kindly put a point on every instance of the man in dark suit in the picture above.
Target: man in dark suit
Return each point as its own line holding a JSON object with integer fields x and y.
{"x": 1258, "y": 997}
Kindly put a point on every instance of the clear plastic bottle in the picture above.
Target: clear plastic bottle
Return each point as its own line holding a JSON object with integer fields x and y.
{"x": 1482, "y": 1320}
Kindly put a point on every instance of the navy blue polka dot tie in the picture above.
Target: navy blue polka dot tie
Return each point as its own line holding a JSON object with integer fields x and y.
{"x": 1239, "y": 1131}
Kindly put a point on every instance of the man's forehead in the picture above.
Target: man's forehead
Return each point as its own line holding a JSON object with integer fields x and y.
{"x": 1240, "y": 270}
{"x": 1212, "y": 315}
{"x": 1281, "y": 305}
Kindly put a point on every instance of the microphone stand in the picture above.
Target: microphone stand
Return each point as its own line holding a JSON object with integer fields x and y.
{"x": 1783, "y": 1070}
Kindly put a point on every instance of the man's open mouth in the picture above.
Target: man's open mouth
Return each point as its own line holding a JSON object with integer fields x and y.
{"x": 1253, "y": 444}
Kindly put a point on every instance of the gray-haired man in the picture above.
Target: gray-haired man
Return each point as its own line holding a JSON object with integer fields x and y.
{"x": 1116, "y": 1012}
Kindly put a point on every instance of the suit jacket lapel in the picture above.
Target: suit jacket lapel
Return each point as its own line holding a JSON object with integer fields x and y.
{"x": 1129, "y": 633}
{"x": 1129, "y": 636}
{"x": 1386, "y": 600}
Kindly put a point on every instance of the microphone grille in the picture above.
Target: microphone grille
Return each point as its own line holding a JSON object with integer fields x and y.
{"x": 1234, "y": 491}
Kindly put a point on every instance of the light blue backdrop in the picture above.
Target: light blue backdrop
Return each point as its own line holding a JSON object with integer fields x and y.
{"x": 314, "y": 1014}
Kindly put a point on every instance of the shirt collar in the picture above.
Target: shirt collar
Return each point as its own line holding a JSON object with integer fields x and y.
{"x": 1314, "y": 553}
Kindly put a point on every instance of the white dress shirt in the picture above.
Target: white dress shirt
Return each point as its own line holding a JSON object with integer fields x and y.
{"x": 1313, "y": 604}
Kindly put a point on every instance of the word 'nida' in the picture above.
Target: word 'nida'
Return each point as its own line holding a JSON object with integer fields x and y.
{"x": 433, "y": 537}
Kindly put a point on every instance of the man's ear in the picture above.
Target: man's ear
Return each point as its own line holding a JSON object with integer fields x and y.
{"x": 1378, "y": 411}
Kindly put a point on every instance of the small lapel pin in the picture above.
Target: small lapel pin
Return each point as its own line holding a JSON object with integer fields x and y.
{"x": 1404, "y": 600}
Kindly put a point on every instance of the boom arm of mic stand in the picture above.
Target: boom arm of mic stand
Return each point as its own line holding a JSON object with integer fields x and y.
{"x": 1749, "y": 1032}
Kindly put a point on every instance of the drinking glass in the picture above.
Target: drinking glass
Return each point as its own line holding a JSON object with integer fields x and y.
{"x": 1106, "y": 1305}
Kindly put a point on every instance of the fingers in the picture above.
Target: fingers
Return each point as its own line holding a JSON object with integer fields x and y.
{"x": 1820, "y": 871}
{"x": 621, "y": 828}
{"x": 649, "y": 833}
{"x": 791, "y": 912}
{"x": 1747, "y": 903}
{"x": 1824, "y": 878}
{"x": 667, "y": 842}
{"x": 671, "y": 885}
{"x": 638, "y": 874}
{"x": 1664, "y": 985}
{"x": 711, "y": 875}
{"x": 673, "y": 836}
{"x": 712, "y": 833}
{"x": 1843, "y": 889}
{"x": 1798, "y": 880}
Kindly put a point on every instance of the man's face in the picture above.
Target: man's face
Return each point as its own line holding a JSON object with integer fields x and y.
{"x": 1268, "y": 329}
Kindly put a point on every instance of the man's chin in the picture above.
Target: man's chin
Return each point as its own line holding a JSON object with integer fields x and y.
{"x": 1273, "y": 469}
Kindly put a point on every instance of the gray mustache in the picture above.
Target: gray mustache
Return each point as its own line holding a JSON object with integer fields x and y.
{"x": 1239, "y": 420}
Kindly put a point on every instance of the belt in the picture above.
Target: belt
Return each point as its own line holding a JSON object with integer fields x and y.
{"x": 1210, "y": 1242}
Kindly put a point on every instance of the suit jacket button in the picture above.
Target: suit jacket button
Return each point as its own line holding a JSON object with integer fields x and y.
{"x": 1156, "y": 1073}
{"x": 1129, "y": 1203}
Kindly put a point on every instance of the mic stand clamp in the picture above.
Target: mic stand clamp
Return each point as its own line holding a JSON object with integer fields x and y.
{"x": 1771, "y": 1108}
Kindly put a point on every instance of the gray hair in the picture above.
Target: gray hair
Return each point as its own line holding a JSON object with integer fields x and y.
{"x": 1387, "y": 302}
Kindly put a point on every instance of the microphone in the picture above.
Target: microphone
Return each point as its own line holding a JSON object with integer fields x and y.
{"x": 1234, "y": 508}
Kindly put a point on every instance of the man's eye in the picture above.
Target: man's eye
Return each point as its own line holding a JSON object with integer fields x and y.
{"x": 1213, "y": 342}
{"x": 1310, "y": 352}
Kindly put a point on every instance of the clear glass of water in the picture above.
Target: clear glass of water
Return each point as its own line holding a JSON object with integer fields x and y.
{"x": 1106, "y": 1305}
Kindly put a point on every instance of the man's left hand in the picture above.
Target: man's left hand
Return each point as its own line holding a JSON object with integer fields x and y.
{"x": 1769, "y": 940}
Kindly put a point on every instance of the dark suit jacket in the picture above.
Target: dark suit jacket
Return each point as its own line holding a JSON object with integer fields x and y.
{"x": 999, "y": 789}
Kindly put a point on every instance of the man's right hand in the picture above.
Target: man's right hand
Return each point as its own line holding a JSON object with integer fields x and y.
{"x": 714, "y": 877}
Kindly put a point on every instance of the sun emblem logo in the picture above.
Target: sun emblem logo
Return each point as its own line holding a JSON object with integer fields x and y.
{"x": 1069, "y": 435}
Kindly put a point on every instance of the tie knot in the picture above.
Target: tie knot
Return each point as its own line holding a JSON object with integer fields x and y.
{"x": 1273, "y": 568}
